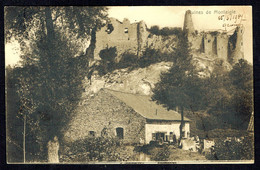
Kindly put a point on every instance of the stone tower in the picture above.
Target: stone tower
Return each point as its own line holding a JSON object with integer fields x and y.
{"x": 236, "y": 45}
{"x": 188, "y": 24}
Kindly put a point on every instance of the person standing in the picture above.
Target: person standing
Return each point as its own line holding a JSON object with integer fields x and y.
{"x": 53, "y": 150}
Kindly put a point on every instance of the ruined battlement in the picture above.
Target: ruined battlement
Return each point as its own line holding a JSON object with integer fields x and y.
{"x": 125, "y": 36}
{"x": 215, "y": 44}
{"x": 135, "y": 38}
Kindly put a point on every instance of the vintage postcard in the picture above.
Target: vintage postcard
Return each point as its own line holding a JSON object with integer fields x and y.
{"x": 139, "y": 84}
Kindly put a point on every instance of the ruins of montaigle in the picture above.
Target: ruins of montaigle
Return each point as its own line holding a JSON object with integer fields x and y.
{"x": 135, "y": 38}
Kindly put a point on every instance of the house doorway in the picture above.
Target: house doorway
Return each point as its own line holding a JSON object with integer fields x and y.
{"x": 120, "y": 133}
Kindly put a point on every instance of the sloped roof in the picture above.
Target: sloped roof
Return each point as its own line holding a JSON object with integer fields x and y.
{"x": 147, "y": 108}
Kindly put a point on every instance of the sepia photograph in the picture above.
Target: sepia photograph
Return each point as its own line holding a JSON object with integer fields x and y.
{"x": 129, "y": 84}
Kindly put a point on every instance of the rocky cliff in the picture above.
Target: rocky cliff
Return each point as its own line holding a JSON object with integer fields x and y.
{"x": 139, "y": 81}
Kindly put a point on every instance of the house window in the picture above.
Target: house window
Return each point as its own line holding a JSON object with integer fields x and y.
{"x": 92, "y": 133}
{"x": 120, "y": 133}
{"x": 126, "y": 30}
{"x": 154, "y": 136}
{"x": 183, "y": 134}
{"x": 104, "y": 132}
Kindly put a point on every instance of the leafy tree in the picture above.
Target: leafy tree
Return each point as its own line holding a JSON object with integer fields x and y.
{"x": 51, "y": 74}
{"x": 165, "y": 31}
{"x": 229, "y": 94}
{"x": 181, "y": 85}
{"x": 155, "y": 29}
{"x": 241, "y": 77}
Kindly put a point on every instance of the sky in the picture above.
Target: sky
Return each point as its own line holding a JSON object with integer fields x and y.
{"x": 204, "y": 18}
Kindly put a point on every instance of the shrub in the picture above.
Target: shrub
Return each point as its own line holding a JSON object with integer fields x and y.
{"x": 162, "y": 154}
{"x": 157, "y": 153}
{"x": 233, "y": 150}
{"x": 92, "y": 149}
{"x": 165, "y": 31}
{"x": 128, "y": 60}
{"x": 108, "y": 56}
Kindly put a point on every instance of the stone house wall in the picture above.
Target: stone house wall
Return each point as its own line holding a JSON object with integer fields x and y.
{"x": 167, "y": 127}
{"x": 106, "y": 111}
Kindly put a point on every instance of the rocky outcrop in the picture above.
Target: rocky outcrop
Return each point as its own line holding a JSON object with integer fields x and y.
{"x": 166, "y": 44}
{"x": 138, "y": 81}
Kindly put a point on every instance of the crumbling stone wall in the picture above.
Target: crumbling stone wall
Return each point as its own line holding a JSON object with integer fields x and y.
{"x": 135, "y": 38}
{"x": 215, "y": 44}
{"x": 106, "y": 111}
{"x": 222, "y": 46}
{"x": 236, "y": 45}
{"x": 208, "y": 43}
{"x": 162, "y": 43}
{"x": 124, "y": 36}
{"x": 142, "y": 35}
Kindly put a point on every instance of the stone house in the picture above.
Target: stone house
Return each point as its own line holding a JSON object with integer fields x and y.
{"x": 130, "y": 117}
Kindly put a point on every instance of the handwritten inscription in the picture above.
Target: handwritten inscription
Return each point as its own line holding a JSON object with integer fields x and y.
{"x": 229, "y": 18}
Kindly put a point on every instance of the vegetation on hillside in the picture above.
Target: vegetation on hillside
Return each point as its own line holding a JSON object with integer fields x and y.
{"x": 165, "y": 31}
{"x": 111, "y": 61}
{"x": 227, "y": 96}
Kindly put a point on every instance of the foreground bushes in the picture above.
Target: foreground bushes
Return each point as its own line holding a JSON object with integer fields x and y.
{"x": 95, "y": 149}
{"x": 156, "y": 153}
{"x": 233, "y": 150}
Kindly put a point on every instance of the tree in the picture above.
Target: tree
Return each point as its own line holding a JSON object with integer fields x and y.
{"x": 51, "y": 74}
{"x": 241, "y": 77}
{"x": 181, "y": 85}
{"x": 155, "y": 30}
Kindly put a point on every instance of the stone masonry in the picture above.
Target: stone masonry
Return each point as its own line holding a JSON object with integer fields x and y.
{"x": 135, "y": 38}
{"x": 105, "y": 111}
{"x": 215, "y": 44}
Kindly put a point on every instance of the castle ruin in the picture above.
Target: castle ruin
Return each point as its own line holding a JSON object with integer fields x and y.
{"x": 215, "y": 44}
{"x": 122, "y": 35}
{"x": 135, "y": 38}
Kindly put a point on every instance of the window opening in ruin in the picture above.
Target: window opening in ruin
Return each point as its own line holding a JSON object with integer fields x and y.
{"x": 92, "y": 133}
{"x": 120, "y": 133}
{"x": 110, "y": 28}
{"x": 208, "y": 41}
{"x": 126, "y": 30}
